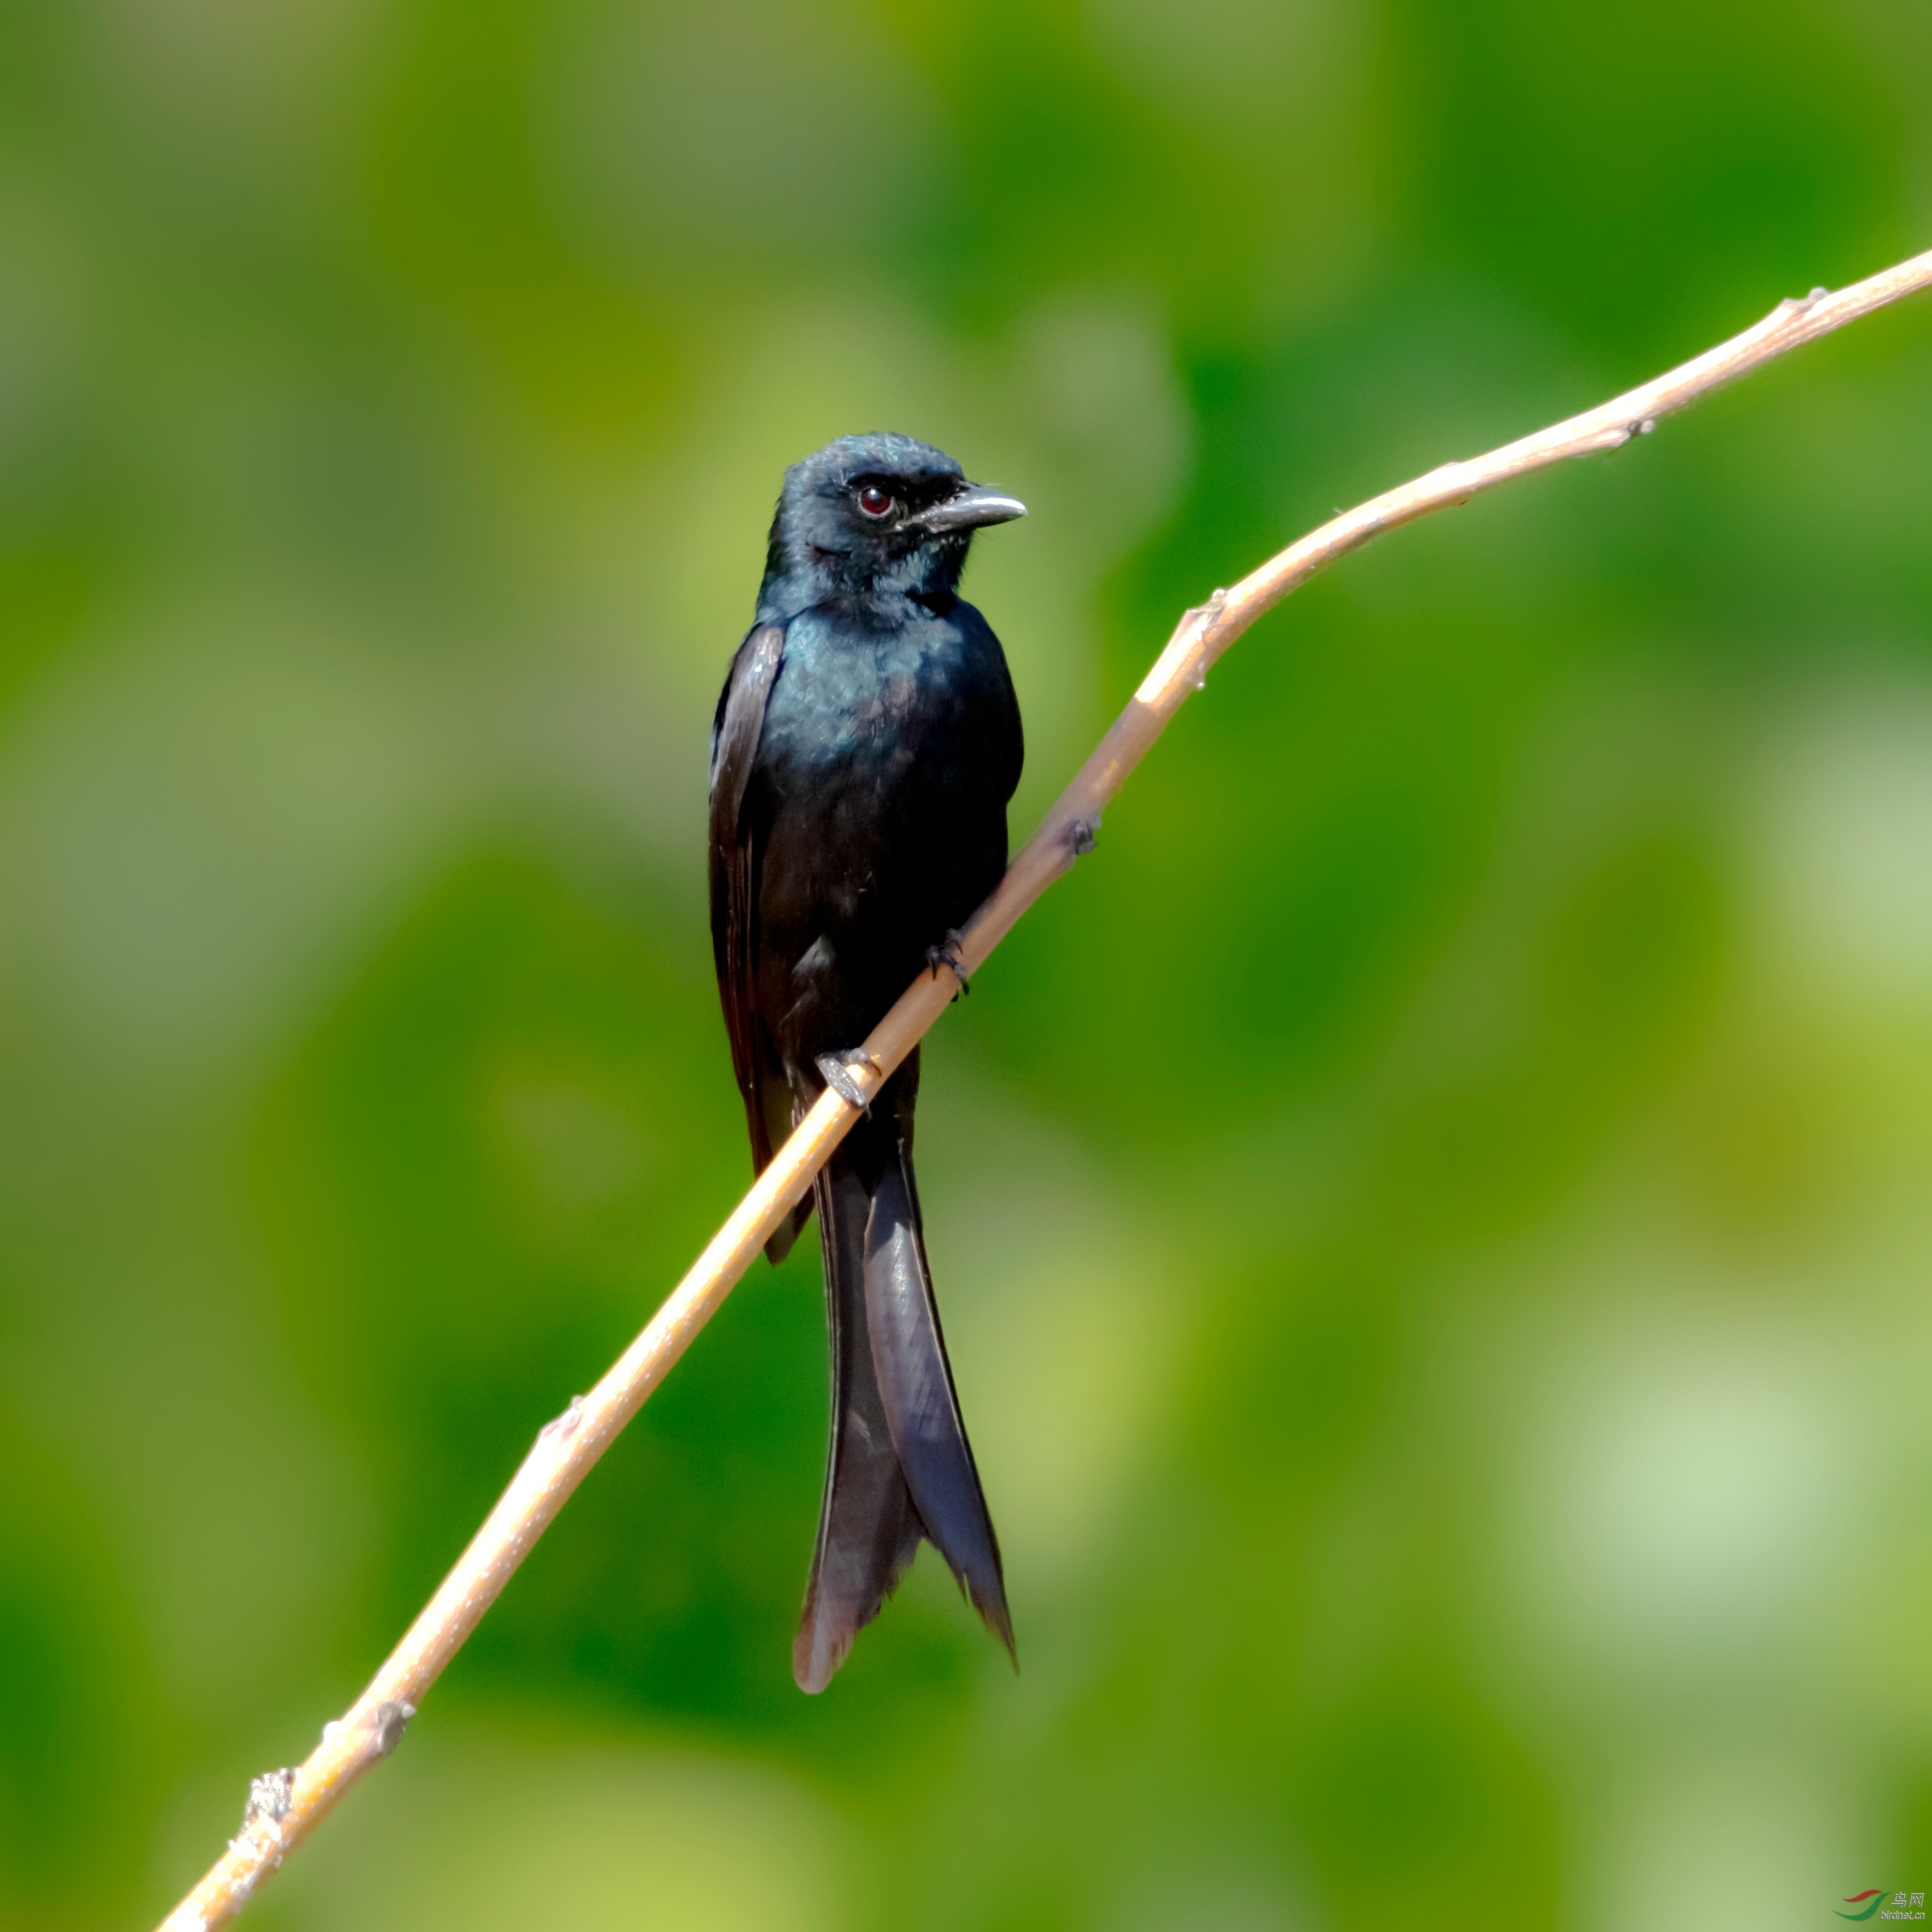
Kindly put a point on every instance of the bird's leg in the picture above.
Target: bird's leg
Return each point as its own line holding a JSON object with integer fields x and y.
{"x": 833, "y": 1066}
{"x": 946, "y": 954}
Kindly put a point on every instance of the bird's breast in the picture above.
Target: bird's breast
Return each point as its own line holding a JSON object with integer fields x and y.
{"x": 878, "y": 699}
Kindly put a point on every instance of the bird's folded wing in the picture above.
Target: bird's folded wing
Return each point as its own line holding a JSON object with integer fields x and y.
{"x": 734, "y": 862}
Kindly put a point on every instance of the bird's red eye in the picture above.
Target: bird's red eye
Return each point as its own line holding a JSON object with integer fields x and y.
{"x": 874, "y": 501}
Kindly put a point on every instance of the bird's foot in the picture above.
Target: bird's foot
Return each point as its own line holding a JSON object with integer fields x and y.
{"x": 834, "y": 1067}
{"x": 947, "y": 954}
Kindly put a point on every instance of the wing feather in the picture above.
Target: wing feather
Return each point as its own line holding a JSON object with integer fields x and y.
{"x": 735, "y": 859}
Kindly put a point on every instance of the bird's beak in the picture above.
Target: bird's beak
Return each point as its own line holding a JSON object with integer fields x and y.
{"x": 973, "y": 507}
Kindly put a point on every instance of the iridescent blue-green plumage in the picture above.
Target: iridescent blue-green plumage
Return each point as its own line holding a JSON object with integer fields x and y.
{"x": 866, "y": 742}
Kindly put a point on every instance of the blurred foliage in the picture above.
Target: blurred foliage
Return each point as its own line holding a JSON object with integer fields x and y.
{"x": 1432, "y": 1219}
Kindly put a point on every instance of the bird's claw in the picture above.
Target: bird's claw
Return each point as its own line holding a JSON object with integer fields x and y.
{"x": 947, "y": 954}
{"x": 834, "y": 1066}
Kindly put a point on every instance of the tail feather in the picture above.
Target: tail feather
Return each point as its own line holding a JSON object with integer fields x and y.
{"x": 868, "y": 1527}
{"x": 782, "y": 1110}
{"x": 922, "y": 1406}
{"x": 900, "y": 1466}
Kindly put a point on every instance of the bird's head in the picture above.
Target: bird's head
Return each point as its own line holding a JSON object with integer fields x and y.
{"x": 875, "y": 515}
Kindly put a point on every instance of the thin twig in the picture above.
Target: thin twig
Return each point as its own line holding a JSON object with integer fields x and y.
{"x": 284, "y": 1807}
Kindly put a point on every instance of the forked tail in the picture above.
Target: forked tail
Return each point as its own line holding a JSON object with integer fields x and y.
{"x": 900, "y": 1466}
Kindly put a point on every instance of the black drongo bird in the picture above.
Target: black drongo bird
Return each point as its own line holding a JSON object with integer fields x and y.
{"x": 866, "y": 743}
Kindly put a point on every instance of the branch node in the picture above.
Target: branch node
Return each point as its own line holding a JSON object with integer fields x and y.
{"x": 1797, "y": 305}
{"x": 388, "y": 1722}
{"x": 1083, "y": 834}
{"x": 559, "y": 1426}
{"x": 271, "y": 1796}
{"x": 1202, "y": 617}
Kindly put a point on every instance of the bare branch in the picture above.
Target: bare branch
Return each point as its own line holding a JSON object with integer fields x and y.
{"x": 285, "y": 1808}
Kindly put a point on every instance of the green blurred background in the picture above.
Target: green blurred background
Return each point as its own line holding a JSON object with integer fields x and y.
{"x": 1432, "y": 1220}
